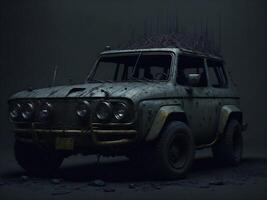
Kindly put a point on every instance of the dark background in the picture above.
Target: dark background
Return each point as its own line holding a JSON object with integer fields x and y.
{"x": 36, "y": 35}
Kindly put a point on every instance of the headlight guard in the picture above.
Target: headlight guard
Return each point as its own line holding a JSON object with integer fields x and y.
{"x": 27, "y": 111}
{"x": 83, "y": 110}
{"x": 120, "y": 111}
{"x": 15, "y": 112}
{"x": 46, "y": 111}
{"x": 103, "y": 111}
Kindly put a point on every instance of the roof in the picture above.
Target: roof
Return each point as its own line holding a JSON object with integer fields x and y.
{"x": 139, "y": 50}
{"x": 175, "y": 50}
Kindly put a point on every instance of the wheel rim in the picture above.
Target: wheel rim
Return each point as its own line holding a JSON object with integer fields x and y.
{"x": 178, "y": 152}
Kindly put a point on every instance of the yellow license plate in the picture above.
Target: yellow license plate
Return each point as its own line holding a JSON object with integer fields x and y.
{"x": 64, "y": 143}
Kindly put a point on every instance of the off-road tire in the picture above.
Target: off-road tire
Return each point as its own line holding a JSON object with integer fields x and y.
{"x": 228, "y": 150}
{"x": 36, "y": 160}
{"x": 175, "y": 144}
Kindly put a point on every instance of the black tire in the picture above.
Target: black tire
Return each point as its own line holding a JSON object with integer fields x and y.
{"x": 173, "y": 153}
{"x": 229, "y": 149}
{"x": 36, "y": 160}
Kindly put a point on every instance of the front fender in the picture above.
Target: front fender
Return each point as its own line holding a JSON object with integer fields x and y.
{"x": 160, "y": 120}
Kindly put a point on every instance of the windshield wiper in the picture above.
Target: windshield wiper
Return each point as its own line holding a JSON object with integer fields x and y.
{"x": 132, "y": 78}
{"x": 95, "y": 80}
{"x": 146, "y": 79}
{"x": 109, "y": 81}
{"x": 134, "y": 68}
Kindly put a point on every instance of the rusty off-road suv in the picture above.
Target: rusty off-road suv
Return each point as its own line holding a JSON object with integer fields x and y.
{"x": 155, "y": 106}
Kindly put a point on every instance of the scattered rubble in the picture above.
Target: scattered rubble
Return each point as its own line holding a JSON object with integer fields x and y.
{"x": 2, "y": 183}
{"x": 97, "y": 183}
{"x": 204, "y": 186}
{"x": 109, "y": 190}
{"x": 56, "y": 181}
{"x": 61, "y": 192}
{"x": 132, "y": 186}
{"x": 24, "y": 178}
{"x": 156, "y": 186}
{"x": 216, "y": 183}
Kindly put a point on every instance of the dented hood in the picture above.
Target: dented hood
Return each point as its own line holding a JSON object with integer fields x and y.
{"x": 132, "y": 90}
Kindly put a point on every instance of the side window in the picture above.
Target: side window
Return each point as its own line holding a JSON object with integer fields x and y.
{"x": 191, "y": 66}
{"x": 216, "y": 72}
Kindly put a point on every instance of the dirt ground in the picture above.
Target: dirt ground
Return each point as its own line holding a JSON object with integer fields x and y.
{"x": 116, "y": 178}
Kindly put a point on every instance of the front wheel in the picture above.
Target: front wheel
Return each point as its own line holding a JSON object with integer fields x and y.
{"x": 174, "y": 152}
{"x": 36, "y": 160}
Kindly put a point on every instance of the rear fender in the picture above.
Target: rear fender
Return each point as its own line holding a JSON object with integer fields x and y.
{"x": 228, "y": 112}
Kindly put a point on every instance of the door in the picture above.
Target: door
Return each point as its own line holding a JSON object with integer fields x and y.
{"x": 197, "y": 97}
{"x": 219, "y": 86}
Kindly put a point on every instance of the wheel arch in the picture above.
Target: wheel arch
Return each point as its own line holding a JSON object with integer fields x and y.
{"x": 165, "y": 115}
{"x": 229, "y": 112}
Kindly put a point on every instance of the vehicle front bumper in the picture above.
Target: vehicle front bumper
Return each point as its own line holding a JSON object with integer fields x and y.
{"x": 75, "y": 139}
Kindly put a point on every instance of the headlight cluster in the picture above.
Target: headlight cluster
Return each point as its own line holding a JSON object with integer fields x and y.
{"x": 26, "y": 111}
{"x": 104, "y": 111}
{"x": 21, "y": 111}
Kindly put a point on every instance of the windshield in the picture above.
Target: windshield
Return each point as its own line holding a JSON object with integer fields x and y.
{"x": 132, "y": 67}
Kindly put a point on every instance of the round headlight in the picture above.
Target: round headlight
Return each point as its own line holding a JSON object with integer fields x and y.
{"x": 120, "y": 111}
{"x": 15, "y": 112}
{"x": 27, "y": 111}
{"x": 45, "y": 111}
{"x": 103, "y": 111}
{"x": 83, "y": 109}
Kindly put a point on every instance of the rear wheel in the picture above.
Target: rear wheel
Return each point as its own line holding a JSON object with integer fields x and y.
{"x": 173, "y": 153}
{"x": 229, "y": 148}
{"x": 36, "y": 160}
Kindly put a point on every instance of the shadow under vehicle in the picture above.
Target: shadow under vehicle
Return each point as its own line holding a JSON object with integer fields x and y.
{"x": 156, "y": 106}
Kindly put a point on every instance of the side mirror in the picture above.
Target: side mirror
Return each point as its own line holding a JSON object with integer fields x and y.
{"x": 193, "y": 79}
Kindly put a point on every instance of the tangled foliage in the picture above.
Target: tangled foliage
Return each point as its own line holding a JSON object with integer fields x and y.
{"x": 195, "y": 42}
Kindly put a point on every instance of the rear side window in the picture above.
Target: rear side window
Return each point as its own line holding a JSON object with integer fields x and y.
{"x": 217, "y": 77}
